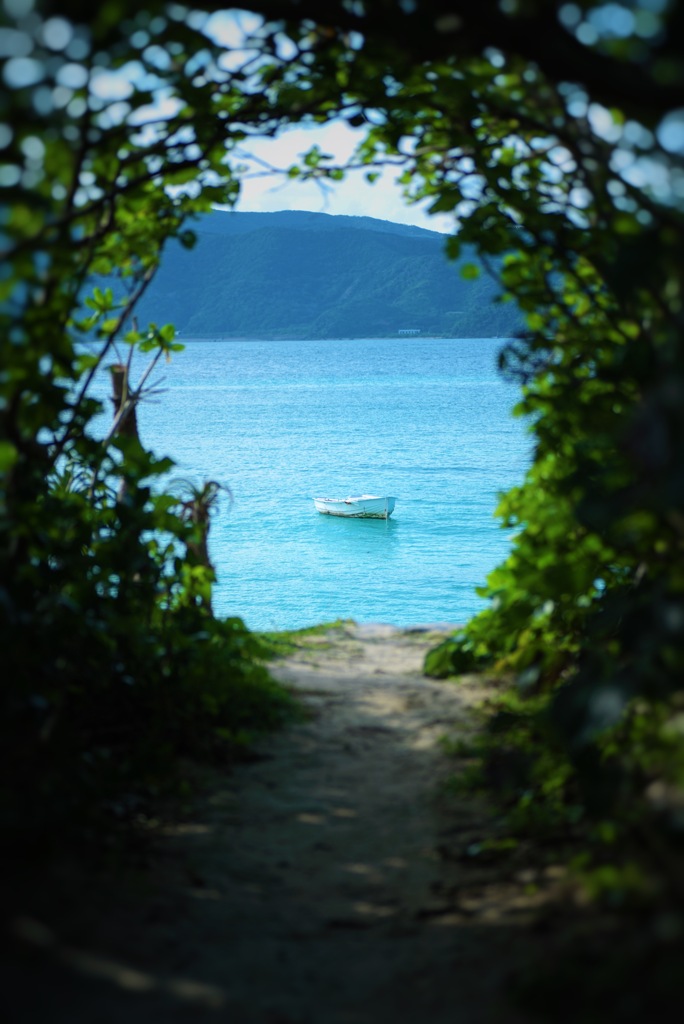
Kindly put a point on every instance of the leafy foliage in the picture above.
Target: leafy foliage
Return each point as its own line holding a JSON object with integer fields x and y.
{"x": 587, "y": 610}
{"x": 552, "y": 132}
{"x": 114, "y": 667}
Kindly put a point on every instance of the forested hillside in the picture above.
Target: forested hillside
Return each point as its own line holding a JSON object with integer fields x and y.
{"x": 310, "y": 275}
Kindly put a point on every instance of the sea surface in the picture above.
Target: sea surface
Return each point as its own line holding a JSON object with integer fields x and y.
{"x": 277, "y": 422}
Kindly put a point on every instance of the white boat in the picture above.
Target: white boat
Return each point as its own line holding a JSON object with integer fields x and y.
{"x": 357, "y": 506}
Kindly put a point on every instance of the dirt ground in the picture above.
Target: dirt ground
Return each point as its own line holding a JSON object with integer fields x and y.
{"x": 332, "y": 879}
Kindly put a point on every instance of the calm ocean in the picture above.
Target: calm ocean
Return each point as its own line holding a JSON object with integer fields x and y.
{"x": 276, "y": 422}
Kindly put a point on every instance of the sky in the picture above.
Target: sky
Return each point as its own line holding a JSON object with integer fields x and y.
{"x": 354, "y": 196}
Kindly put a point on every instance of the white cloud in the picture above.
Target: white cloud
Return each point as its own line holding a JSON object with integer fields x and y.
{"x": 267, "y": 191}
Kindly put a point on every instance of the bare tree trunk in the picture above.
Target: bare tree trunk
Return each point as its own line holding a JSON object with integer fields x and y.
{"x": 124, "y": 406}
{"x": 200, "y": 548}
{"x": 125, "y": 415}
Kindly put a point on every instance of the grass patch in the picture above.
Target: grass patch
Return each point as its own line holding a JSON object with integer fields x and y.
{"x": 280, "y": 643}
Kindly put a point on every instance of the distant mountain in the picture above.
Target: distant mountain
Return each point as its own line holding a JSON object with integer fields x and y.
{"x": 310, "y": 275}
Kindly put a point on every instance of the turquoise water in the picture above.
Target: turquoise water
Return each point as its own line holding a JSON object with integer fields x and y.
{"x": 427, "y": 420}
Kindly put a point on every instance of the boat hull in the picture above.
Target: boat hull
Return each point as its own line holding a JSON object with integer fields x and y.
{"x": 363, "y": 506}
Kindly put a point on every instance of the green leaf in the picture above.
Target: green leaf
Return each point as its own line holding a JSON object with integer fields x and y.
{"x": 8, "y": 456}
{"x": 470, "y": 271}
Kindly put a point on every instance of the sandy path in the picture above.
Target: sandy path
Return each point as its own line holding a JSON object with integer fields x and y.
{"x": 324, "y": 882}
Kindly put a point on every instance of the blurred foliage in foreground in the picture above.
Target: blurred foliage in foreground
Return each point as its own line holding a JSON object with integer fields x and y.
{"x": 554, "y": 135}
{"x": 114, "y": 667}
